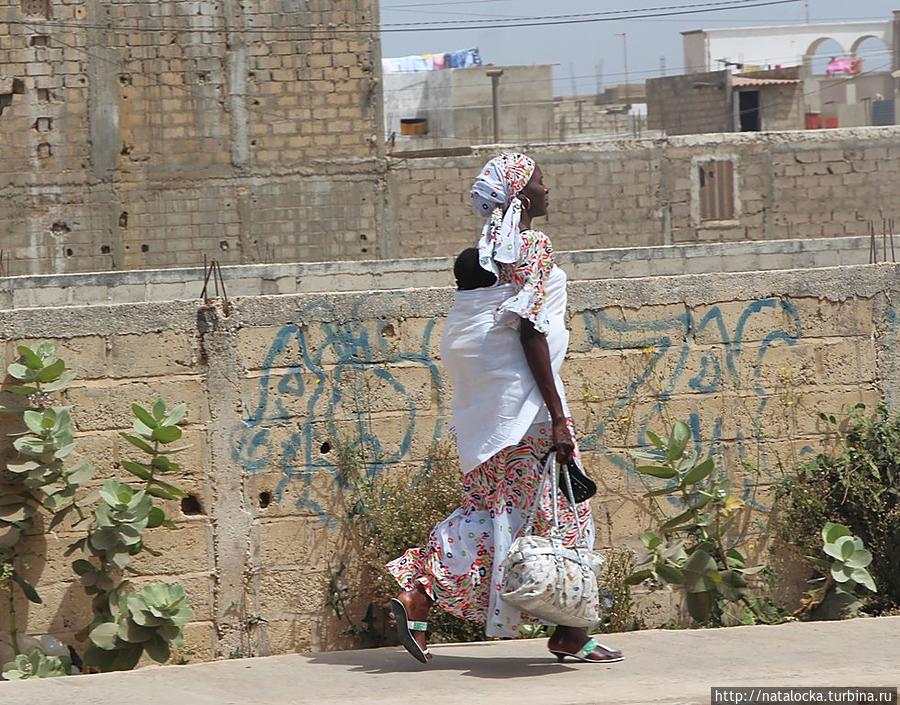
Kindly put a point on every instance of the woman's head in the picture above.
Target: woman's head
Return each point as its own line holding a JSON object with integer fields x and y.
{"x": 501, "y": 181}
{"x": 535, "y": 195}
{"x": 508, "y": 187}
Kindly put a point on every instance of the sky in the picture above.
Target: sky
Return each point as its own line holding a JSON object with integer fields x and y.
{"x": 577, "y": 49}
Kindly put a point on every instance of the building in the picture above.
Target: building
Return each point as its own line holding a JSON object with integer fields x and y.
{"x": 719, "y": 101}
{"x": 775, "y": 78}
{"x": 152, "y": 134}
{"x": 450, "y": 107}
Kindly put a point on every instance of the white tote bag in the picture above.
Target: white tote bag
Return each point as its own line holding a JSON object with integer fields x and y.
{"x": 554, "y": 583}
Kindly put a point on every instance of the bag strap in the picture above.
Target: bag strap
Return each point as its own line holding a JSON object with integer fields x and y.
{"x": 551, "y": 473}
{"x": 549, "y": 468}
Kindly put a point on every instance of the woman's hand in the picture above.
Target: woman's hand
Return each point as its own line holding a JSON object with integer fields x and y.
{"x": 563, "y": 441}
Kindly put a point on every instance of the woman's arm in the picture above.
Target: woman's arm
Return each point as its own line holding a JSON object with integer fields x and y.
{"x": 537, "y": 353}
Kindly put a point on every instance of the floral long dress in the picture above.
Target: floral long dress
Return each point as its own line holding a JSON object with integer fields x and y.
{"x": 460, "y": 568}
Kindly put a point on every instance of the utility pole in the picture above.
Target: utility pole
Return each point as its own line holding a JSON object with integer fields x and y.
{"x": 495, "y": 75}
{"x": 599, "y": 80}
{"x": 624, "y": 36}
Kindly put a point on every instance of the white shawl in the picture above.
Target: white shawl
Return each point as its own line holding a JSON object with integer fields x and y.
{"x": 495, "y": 396}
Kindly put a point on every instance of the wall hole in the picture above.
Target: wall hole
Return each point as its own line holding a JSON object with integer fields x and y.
{"x": 69, "y": 252}
{"x": 43, "y": 124}
{"x": 325, "y": 448}
{"x": 364, "y": 250}
{"x": 224, "y": 246}
{"x": 36, "y": 8}
{"x": 123, "y": 219}
{"x": 145, "y": 248}
{"x": 104, "y": 250}
{"x": 40, "y": 40}
{"x": 60, "y": 228}
{"x": 363, "y": 237}
{"x": 45, "y": 150}
{"x": 203, "y": 77}
{"x": 44, "y": 95}
{"x": 125, "y": 79}
{"x": 265, "y": 499}
{"x": 190, "y": 506}
{"x": 388, "y": 331}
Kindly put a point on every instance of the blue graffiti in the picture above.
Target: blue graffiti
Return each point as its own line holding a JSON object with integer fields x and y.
{"x": 312, "y": 374}
{"x": 670, "y": 339}
{"x": 297, "y": 363}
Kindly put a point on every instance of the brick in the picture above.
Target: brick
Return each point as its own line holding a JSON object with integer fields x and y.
{"x": 151, "y": 354}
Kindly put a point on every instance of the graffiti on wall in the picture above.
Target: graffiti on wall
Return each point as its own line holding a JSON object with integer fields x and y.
{"x": 324, "y": 374}
{"x": 312, "y": 374}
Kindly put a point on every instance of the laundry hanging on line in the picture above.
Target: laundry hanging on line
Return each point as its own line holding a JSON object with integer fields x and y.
{"x": 462, "y": 59}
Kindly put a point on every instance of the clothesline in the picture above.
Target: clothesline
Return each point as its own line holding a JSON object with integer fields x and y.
{"x": 462, "y": 59}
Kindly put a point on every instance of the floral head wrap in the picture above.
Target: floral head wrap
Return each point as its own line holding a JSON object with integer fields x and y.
{"x": 494, "y": 198}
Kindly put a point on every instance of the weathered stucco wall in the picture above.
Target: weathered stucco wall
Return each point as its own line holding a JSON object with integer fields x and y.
{"x": 150, "y": 134}
{"x": 647, "y": 192}
{"x": 272, "y": 385}
{"x": 384, "y": 275}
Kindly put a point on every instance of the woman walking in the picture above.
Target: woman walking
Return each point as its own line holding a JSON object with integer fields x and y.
{"x": 503, "y": 348}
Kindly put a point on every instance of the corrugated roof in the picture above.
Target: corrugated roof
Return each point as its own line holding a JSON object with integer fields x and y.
{"x": 745, "y": 82}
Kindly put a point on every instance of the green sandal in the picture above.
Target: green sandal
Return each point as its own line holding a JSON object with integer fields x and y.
{"x": 590, "y": 647}
{"x": 405, "y": 629}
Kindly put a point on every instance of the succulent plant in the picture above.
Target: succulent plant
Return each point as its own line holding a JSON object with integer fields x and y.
{"x": 148, "y": 621}
{"x": 40, "y": 371}
{"x": 126, "y": 624}
{"x": 120, "y": 520}
{"x": 36, "y": 664}
{"x": 850, "y": 556}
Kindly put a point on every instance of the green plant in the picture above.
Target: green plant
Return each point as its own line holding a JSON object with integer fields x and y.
{"x": 855, "y": 483}
{"x": 620, "y": 612}
{"x": 382, "y": 515}
{"x": 35, "y": 664}
{"x": 695, "y": 551}
{"x": 121, "y": 632}
{"x": 39, "y": 478}
{"x": 836, "y": 595}
{"x": 150, "y": 621}
{"x": 42, "y": 479}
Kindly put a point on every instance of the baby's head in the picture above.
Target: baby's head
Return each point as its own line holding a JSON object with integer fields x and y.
{"x": 469, "y": 273}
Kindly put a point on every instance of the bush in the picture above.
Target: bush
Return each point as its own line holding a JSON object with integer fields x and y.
{"x": 858, "y": 486}
{"x": 385, "y": 514}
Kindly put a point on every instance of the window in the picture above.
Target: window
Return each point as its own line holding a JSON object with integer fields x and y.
{"x": 749, "y": 113}
{"x": 716, "y": 178}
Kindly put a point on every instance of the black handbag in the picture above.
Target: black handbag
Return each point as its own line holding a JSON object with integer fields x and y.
{"x": 583, "y": 487}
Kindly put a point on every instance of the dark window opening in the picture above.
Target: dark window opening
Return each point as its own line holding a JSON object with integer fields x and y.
{"x": 749, "y": 116}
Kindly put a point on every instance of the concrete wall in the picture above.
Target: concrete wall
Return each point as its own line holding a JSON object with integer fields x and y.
{"x": 690, "y": 104}
{"x": 525, "y": 95}
{"x": 458, "y": 104}
{"x": 272, "y": 385}
{"x": 581, "y": 115}
{"x": 386, "y": 275}
{"x": 137, "y": 148}
{"x": 646, "y": 192}
{"x": 781, "y": 107}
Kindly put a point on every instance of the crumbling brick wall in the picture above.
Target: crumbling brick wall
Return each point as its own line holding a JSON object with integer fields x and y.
{"x": 632, "y": 193}
{"x": 150, "y": 134}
